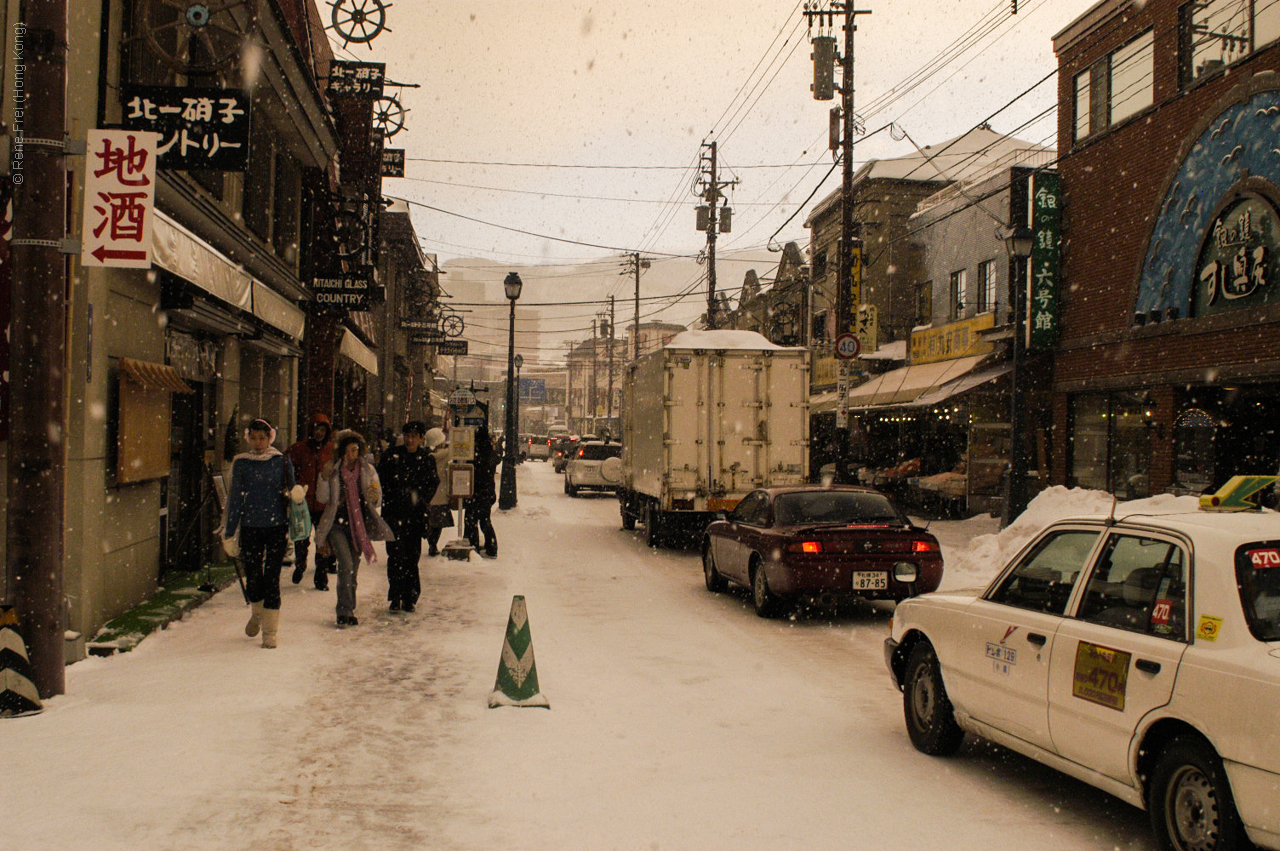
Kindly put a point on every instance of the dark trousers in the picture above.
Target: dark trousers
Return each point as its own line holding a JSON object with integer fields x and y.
{"x": 477, "y": 520}
{"x": 324, "y": 564}
{"x": 403, "y": 582}
{"x": 262, "y": 553}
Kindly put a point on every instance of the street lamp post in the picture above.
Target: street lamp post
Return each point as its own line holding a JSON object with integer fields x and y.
{"x": 519, "y": 360}
{"x": 1018, "y": 243}
{"x": 507, "y": 486}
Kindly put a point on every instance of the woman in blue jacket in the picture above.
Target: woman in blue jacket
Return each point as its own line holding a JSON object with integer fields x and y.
{"x": 257, "y": 508}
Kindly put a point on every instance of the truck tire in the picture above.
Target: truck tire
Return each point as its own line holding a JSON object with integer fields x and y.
{"x": 628, "y": 519}
{"x": 652, "y": 524}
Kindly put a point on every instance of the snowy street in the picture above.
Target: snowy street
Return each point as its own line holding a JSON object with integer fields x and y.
{"x": 678, "y": 720}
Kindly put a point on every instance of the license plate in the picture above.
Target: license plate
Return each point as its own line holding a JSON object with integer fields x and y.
{"x": 870, "y": 580}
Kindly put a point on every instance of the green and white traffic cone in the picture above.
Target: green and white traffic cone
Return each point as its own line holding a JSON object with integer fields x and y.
{"x": 18, "y": 692}
{"x": 517, "y": 683}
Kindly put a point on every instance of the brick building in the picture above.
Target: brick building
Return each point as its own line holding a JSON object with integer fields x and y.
{"x": 1167, "y": 371}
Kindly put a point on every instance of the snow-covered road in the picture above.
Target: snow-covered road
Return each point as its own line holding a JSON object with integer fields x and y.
{"x": 679, "y": 720}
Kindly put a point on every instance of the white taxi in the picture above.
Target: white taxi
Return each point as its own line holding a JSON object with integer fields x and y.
{"x": 1140, "y": 654}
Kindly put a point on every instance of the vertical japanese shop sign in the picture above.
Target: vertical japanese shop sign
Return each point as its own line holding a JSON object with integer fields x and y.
{"x": 850, "y": 322}
{"x": 1046, "y": 229}
{"x": 119, "y": 198}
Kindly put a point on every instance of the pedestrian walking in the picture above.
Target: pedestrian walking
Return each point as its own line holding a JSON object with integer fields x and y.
{"x": 309, "y": 456}
{"x": 257, "y": 509}
{"x": 479, "y": 506}
{"x": 439, "y": 517}
{"x": 352, "y": 495}
{"x": 409, "y": 481}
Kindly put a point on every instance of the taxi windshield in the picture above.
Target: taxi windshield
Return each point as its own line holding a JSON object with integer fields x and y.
{"x": 1258, "y": 576}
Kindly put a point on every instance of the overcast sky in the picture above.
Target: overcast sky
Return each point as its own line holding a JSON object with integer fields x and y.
{"x": 562, "y": 84}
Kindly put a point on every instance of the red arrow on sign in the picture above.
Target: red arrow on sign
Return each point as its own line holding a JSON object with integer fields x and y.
{"x": 102, "y": 253}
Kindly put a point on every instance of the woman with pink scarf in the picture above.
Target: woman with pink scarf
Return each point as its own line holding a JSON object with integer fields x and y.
{"x": 352, "y": 495}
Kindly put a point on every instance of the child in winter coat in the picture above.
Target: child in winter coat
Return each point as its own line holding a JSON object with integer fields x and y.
{"x": 351, "y": 494}
{"x": 257, "y": 508}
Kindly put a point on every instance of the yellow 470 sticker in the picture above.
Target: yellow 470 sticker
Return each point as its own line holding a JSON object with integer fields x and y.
{"x": 1209, "y": 628}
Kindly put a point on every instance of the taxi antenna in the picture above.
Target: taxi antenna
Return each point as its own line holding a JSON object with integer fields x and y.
{"x": 1111, "y": 520}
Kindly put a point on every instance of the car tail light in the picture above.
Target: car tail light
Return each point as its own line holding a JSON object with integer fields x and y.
{"x": 582, "y": 453}
{"x": 924, "y": 546}
{"x": 805, "y": 547}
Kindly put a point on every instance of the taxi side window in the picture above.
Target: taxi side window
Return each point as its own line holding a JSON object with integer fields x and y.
{"x": 1043, "y": 580}
{"x": 1139, "y": 585}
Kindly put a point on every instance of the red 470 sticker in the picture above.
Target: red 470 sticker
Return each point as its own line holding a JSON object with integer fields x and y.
{"x": 1264, "y": 558}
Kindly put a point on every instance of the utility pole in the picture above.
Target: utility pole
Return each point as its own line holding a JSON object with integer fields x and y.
{"x": 37, "y": 428}
{"x": 595, "y": 361}
{"x": 636, "y": 262}
{"x": 849, "y": 277}
{"x": 609, "y": 402}
{"x": 712, "y": 218}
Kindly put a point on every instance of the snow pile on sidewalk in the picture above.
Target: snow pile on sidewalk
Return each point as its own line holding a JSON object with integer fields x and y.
{"x": 974, "y": 563}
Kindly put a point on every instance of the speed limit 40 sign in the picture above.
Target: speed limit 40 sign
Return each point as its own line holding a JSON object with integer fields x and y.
{"x": 848, "y": 346}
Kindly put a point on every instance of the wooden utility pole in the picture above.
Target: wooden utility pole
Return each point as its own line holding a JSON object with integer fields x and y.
{"x": 38, "y": 350}
{"x": 637, "y": 263}
{"x": 609, "y": 401}
{"x": 846, "y": 301}
{"x": 710, "y": 219}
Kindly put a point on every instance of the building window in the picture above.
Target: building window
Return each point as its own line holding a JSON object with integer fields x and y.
{"x": 819, "y": 326}
{"x": 986, "y": 286}
{"x": 1115, "y": 87}
{"x": 924, "y": 303}
{"x": 959, "y": 282}
{"x": 1216, "y": 33}
{"x": 819, "y": 265}
{"x": 1111, "y": 443}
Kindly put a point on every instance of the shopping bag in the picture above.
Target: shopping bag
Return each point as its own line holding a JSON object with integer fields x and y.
{"x": 299, "y": 521}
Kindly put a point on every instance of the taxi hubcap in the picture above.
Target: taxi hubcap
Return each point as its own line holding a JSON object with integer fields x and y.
{"x": 1194, "y": 810}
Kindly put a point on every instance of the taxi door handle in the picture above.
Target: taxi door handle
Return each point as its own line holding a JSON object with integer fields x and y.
{"x": 1148, "y": 666}
{"x": 1036, "y": 639}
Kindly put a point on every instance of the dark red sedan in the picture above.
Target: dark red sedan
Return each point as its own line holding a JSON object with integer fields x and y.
{"x": 824, "y": 544}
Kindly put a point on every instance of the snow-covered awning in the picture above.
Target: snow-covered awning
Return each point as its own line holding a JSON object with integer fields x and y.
{"x": 906, "y": 385}
{"x": 358, "y": 352}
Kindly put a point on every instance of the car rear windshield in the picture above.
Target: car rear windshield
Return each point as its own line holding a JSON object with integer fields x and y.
{"x": 822, "y": 507}
{"x": 1258, "y": 576}
{"x": 601, "y": 451}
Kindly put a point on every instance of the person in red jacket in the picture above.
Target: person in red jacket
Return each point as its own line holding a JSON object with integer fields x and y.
{"x": 309, "y": 457}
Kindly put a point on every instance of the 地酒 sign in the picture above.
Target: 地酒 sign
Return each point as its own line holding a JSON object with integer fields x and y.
{"x": 119, "y": 198}
{"x": 198, "y": 127}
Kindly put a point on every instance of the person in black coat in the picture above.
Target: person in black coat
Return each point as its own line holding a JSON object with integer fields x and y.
{"x": 409, "y": 480}
{"x": 479, "y": 505}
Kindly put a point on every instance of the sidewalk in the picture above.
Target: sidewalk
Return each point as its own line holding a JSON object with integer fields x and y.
{"x": 177, "y": 596}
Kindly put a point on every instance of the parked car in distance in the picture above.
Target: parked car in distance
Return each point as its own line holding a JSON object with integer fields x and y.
{"x": 562, "y": 449}
{"x": 1138, "y": 654}
{"x": 825, "y": 544}
{"x": 538, "y": 447}
{"x": 595, "y": 465}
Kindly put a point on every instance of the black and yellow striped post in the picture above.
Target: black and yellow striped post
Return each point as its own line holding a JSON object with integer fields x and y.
{"x": 18, "y": 692}
{"x": 517, "y": 683}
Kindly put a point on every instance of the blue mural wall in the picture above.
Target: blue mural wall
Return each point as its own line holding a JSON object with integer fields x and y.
{"x": 1242, "y": 142}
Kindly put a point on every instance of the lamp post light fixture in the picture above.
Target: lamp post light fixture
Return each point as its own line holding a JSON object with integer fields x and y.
{"x": 507, "y": 485}
{"x": 1018, "y": 243}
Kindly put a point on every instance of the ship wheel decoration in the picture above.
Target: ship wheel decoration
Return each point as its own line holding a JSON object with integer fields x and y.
{"x": 348, "y": 232}
{"x": 388, "y": 116}
{"x": 358, "y": 21}
{"x": 452, "y": 325}
{"x": 196, "y": 38}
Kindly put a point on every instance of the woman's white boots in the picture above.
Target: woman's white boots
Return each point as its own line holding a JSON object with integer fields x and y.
{"x": 270, "y": 623}
{"x": 255, "y": 620}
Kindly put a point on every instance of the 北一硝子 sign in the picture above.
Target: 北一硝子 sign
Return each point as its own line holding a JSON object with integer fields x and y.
{"x": 199, "y": 127}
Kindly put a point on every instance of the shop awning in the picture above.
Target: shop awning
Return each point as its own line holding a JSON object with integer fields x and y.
{"x": 358, "y": 352}
{"x": 822, "y": 402}
{"x": 906, "y": 385}
{"x": 962, "y": 385}
{"x": 154, "y": 376}
{"x": 186, "y": 255}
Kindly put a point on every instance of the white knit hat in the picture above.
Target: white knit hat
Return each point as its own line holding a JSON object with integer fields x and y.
{"x": 435, "y": 437}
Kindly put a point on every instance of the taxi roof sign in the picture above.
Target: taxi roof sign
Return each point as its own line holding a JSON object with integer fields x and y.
{"x": 1240, "y": 493}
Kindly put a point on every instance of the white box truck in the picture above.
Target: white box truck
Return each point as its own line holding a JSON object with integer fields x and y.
{"x": 706, "y": 419}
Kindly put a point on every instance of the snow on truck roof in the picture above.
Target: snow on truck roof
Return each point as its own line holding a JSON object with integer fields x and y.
{"x": 721, "y": 340}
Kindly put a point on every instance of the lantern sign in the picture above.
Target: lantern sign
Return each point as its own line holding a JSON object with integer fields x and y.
{"x": 119, "y": 198}
{"x": 1046, "y": 230}
{"x": 198, "y": 127}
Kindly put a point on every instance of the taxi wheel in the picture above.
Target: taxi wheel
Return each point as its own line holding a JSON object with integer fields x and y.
{"x": 766, "y": 602}
{"x": 931, "y": 721}
{"x": 715, "y": 582}
{"x": 1190, "y": 801}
